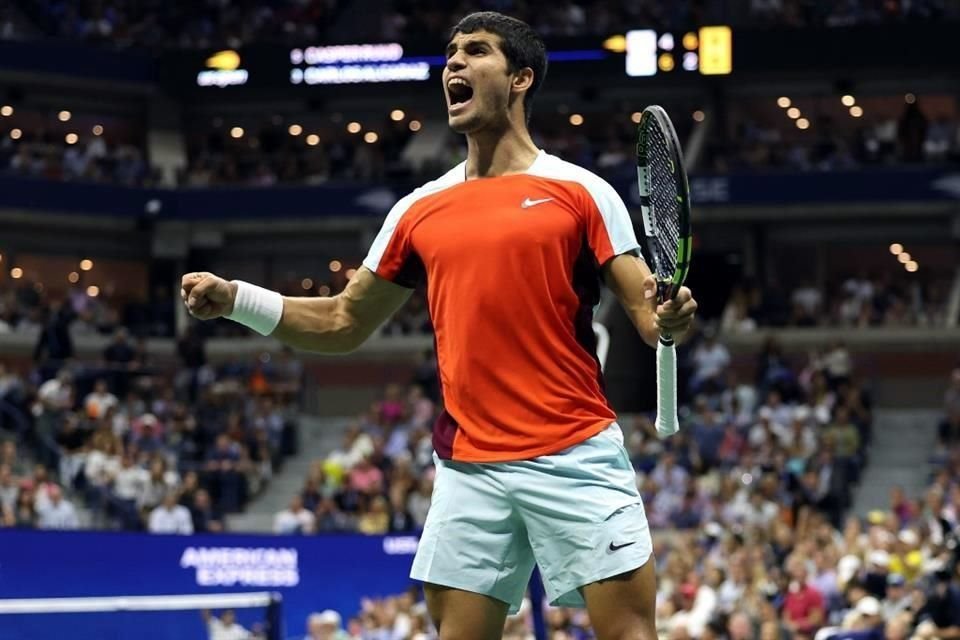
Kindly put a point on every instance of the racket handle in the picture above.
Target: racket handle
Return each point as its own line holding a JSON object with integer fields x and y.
{"x": 667, "y": 423}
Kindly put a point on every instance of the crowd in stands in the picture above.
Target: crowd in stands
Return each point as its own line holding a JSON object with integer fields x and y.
{"x": 26, "y": 308}
{"x": 913, "y": 138}
{"x": 139, "y": 446}
{"x": 431, "y": 19}
{"x": 858, "y": 301}
{"x": 150, "y": 24}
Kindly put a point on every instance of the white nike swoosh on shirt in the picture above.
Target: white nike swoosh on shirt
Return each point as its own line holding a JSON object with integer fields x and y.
{"x": 526, "y": 204}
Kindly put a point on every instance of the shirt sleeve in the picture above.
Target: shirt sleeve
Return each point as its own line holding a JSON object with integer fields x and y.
{"x": 391, "y": 255}
{"x": 609, "y": 228}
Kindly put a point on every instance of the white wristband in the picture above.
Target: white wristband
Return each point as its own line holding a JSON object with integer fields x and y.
{"x": 257, "y": 308}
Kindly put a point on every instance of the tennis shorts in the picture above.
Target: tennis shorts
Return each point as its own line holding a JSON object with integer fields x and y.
{"x": 577, "y": 514}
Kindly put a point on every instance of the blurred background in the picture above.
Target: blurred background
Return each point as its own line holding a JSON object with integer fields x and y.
{"x": 813, "y": 492}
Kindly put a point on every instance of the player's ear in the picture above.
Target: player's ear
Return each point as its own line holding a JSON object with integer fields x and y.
{"x": 522, "y": 80}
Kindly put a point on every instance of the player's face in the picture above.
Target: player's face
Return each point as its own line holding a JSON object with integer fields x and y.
{"x": 476, "y": 81}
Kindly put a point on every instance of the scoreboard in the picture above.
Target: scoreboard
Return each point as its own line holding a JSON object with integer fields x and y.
{"x": 709, "y": 51}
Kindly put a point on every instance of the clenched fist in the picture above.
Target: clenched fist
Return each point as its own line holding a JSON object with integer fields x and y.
{"x": 207, "y": 296}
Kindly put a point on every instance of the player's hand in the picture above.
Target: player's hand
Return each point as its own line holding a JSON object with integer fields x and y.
{"x": 673, "y": 316}
{"x": 207, "y": 296}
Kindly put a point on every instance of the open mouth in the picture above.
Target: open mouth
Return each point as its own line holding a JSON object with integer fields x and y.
{"x": 459, "y": 91}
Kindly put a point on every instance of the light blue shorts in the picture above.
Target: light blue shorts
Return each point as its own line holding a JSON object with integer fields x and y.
{"x": 576, "y": 514}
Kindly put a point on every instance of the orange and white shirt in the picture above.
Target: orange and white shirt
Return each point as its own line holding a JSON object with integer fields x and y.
{"x": 511, "y": 265}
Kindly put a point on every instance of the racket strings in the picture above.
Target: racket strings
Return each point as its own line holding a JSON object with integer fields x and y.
{"x": 663, "y": 201}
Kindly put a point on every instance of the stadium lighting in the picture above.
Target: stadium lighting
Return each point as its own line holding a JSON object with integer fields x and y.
{"x": 666, "y": 62}
{"x": 904, "y": 258}
{"x": 64, "y": 116}
{"x": 909, "y": 98}
{"x": 294, "y": 129}
{"x": 6, "y": 111}
{"x": 576, "y": 119}
{"x": 397, "y": 115}
{"x": 86, "y": 264}
{"x": 911, "y": 266}
{"x": 690, "y": 41}
{"x": 848, "y": 100}
{"x": 71, "y": 138}
{"x": 16, "y": 134}
{"x": 307, "y": 284}
{"x": 93, "y": 291}
{"x": 98, "y": 130}
{"x": 699, "y": 115}
{"x": 354, "y": 127}
{"x": 793, "y": 112}
{"x": 856, "y": 111}
{"x": 370, "y": 137}
{"x": 896, "y": 248}
{"x": 236, "y": 132}
{"x": 16, "y": 273}
{"x": 350, "y": 273}
{"x": 803, "y": 123}
{"x": 313, "y": 139}
{"x": 415, "y": 125}
{"x": 635, "y": 117}
{"x": 324, "y": 290}
{"x": 783, "y": 102}
{"x": 335, "y": 266}
{"x": 74, "y": 277}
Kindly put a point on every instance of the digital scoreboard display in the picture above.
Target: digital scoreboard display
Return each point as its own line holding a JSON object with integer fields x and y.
{"x": 709, "y": 51}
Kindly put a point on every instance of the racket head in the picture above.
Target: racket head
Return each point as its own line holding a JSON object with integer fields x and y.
{"x": 664, "y": 200}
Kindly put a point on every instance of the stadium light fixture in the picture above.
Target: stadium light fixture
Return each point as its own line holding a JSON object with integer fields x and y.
{"x": 397, "y": 115}
{"x": 313, "y": 139}
{"x": 93, "y": 291}
{"x": 370, "y": 137}
{"x": 71, "y": 138}
{"x": 6, "y": 111}
{"x": 911, "y": 266}
{"x": 856, "y": 111}
{"x": 576, "y": 119}
{"x": 848, "y": 100}
{"x": 86, "y": 264}
{"x": 16, "y": 273}
{"x": 896, "y": 248}
{"x": 793, "y": 113}
{"x": 335, "y": 266}
{"x": 236, "y": 132}
{"x": 350, "y": 273}
{"x": 635, "y": 117}
{"x": 294, "y": 129}
{"x": 909, "y": 98}
{"x": 783, "y": 102}
{"x": 904, "y": 258}
{"x": 73, "y": 278}
{"x": 699, "y": 116}
{"x": 64, "y": 116}
{"x": 306, "y": 284}
{"x": 803, "y": 123}
{"x": 16, "y": 134}
{"x": 97, "y": 130}
{"x": 354, "y": 127}
{"x": 324, "y": 290}
{"x": 415, "y": 125}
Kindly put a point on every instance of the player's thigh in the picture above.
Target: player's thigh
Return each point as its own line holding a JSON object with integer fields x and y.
{"x": 463, "y": 615}
{"x": 623, "y": 607}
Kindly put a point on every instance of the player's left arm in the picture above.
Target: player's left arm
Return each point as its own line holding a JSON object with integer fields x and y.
{"x": 630, "y": 279}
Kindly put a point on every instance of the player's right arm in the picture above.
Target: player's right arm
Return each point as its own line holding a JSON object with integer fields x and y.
{"x": 338, "y": 324}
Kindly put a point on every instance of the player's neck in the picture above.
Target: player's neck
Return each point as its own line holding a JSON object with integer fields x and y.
{"x": 499, "y": 153}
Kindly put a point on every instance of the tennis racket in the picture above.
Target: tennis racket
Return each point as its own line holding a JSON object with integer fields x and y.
{"x": 665, "y": 208}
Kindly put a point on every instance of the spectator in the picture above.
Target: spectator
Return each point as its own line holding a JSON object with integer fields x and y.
{"x": 803, "y": 605}
{"x": 326, "y": 625}
{"x": 710, "y": 360}
{"x": 170, "y": 517}
{"x": 99, "y": 401}
{"x": 57, "y": 513}
{"x": 205, "y": 518}
{"x": 295, "y": 519}
{"x": 225, "y": 627}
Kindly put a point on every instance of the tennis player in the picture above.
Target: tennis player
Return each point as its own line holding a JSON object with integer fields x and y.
{"x": 511, "y": 243}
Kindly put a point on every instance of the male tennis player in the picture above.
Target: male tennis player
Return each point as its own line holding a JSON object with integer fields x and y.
{"x": 530, "y": 461}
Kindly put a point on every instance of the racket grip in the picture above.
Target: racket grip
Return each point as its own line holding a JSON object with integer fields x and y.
{"x": 667, "y": 423}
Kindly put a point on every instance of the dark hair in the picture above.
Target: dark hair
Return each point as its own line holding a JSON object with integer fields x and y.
{"x": 520, "y": 44}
